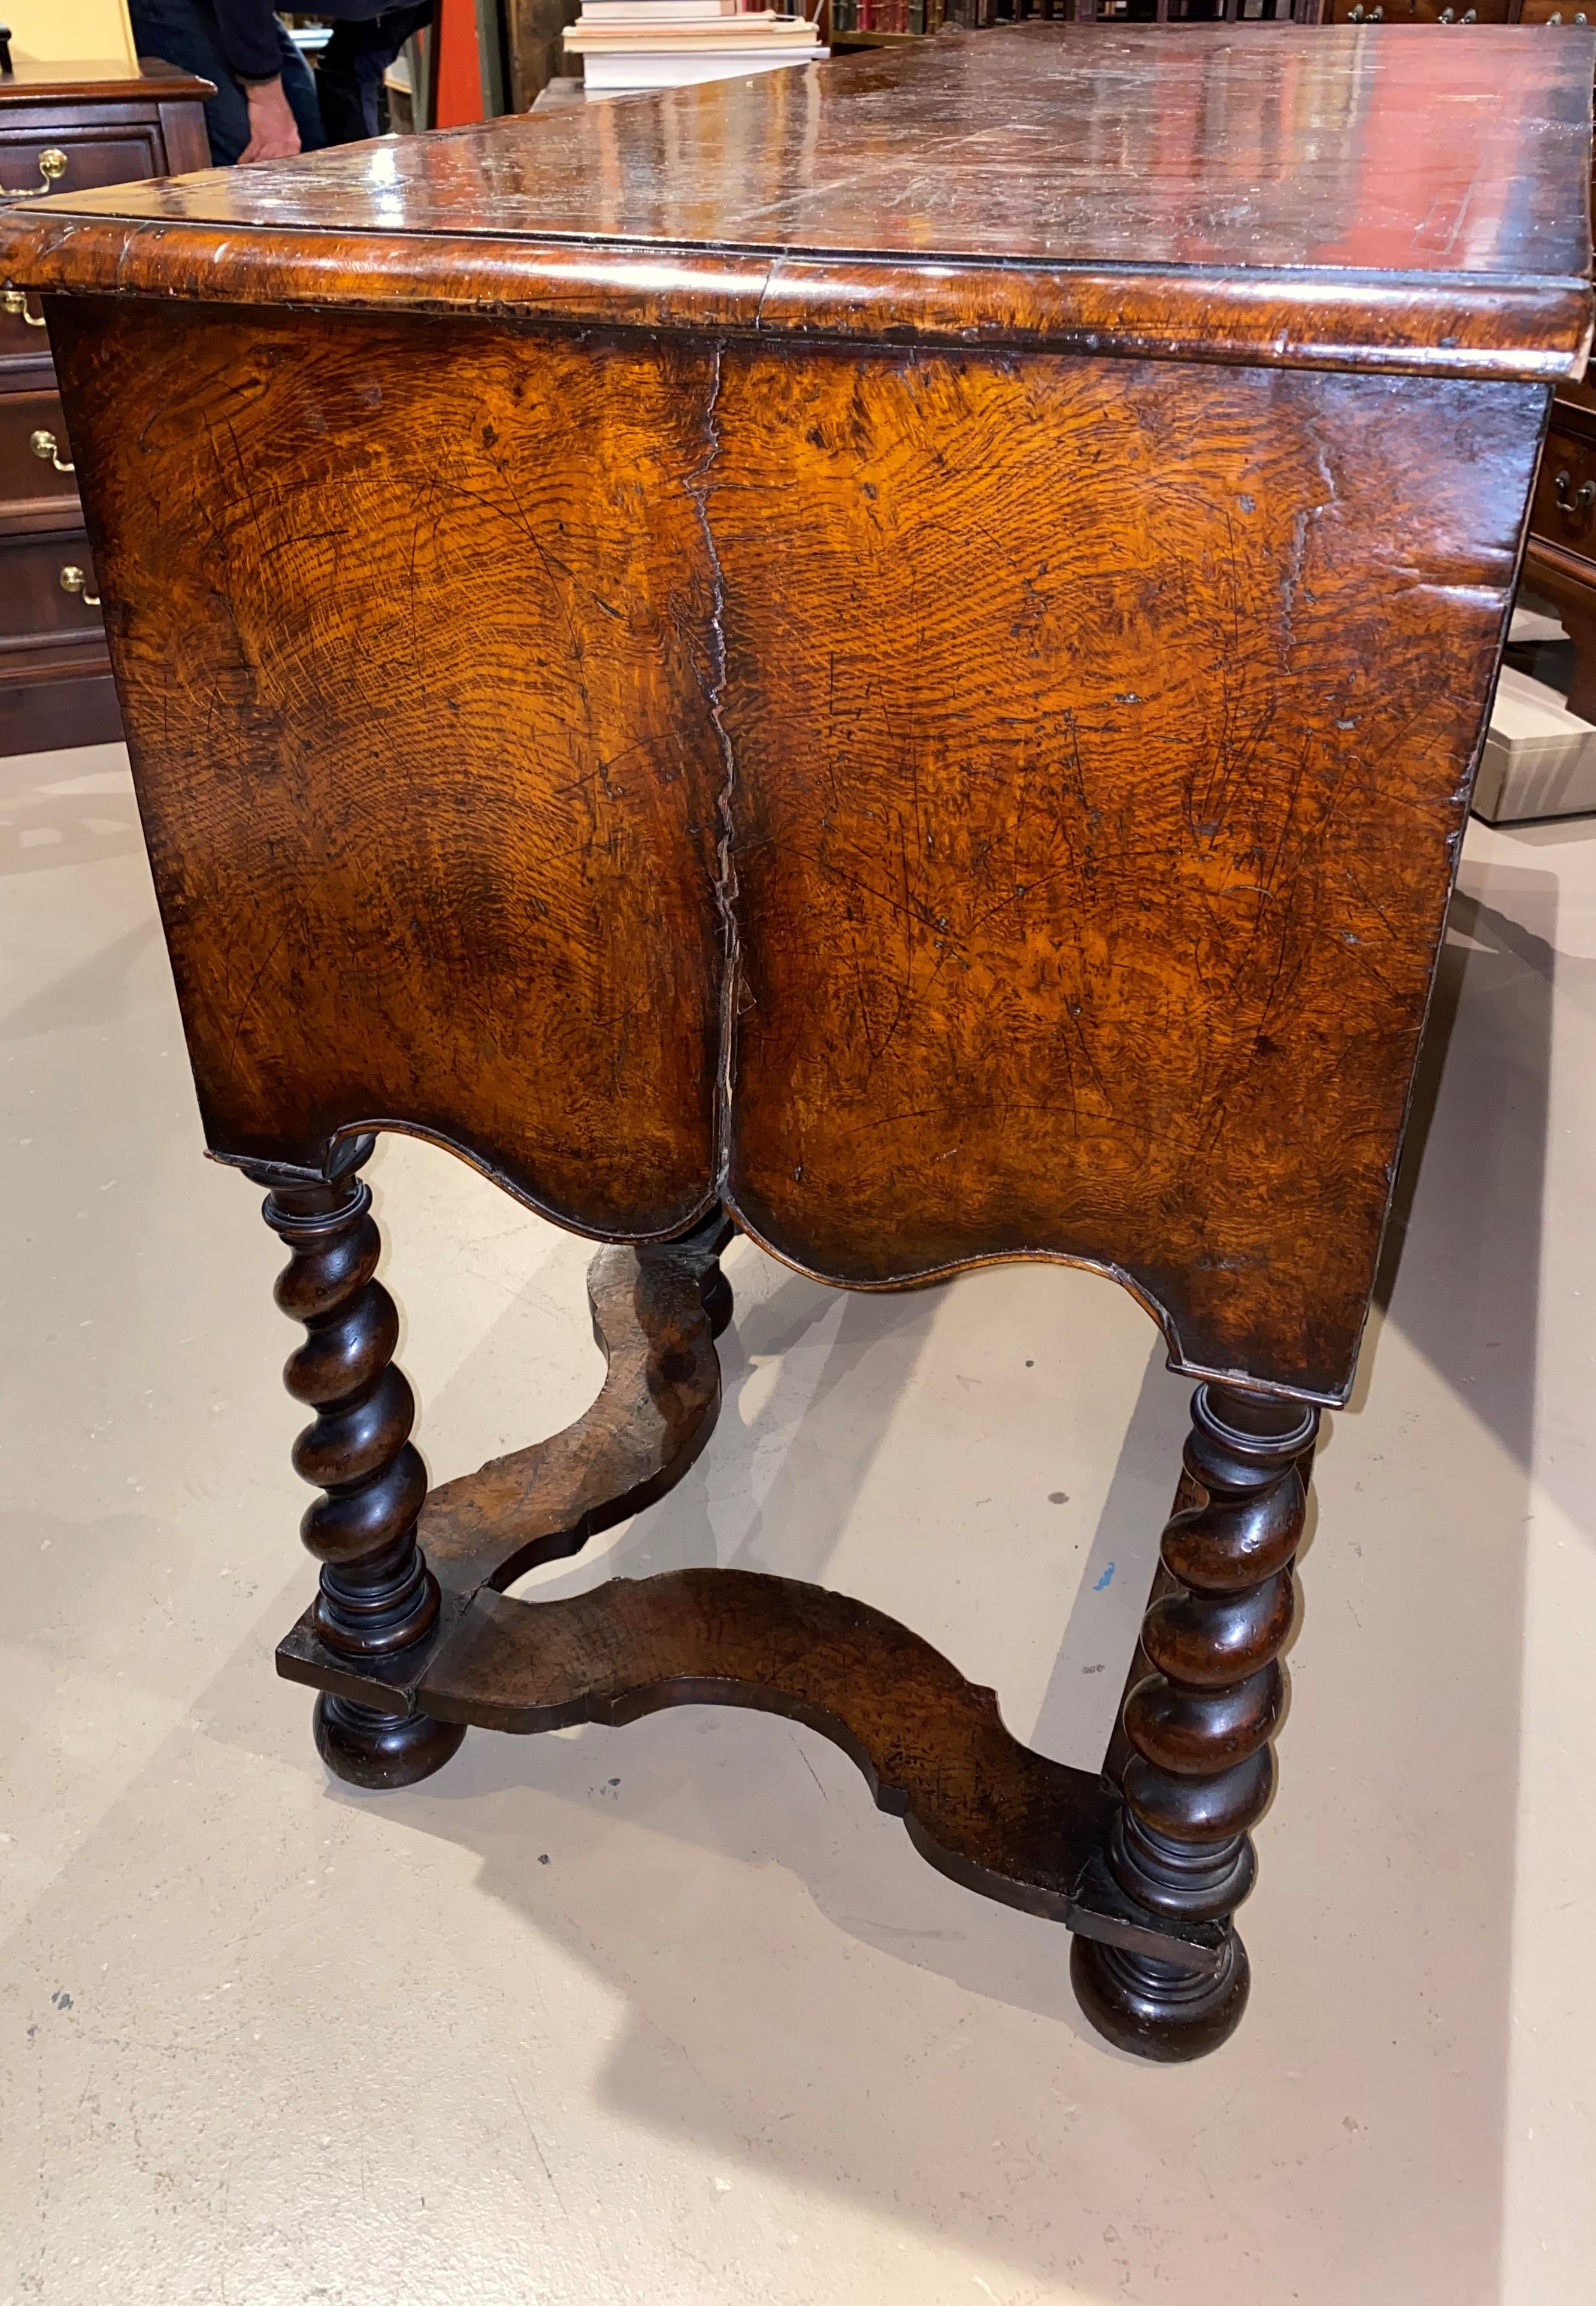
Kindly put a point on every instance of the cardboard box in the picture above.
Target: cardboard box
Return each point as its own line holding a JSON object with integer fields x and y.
{"x": 68, "y": 32}
{"x": 1539, "y": 760}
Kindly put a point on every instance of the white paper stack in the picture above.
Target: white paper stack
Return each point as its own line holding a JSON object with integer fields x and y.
{"x": 636, "y": 44}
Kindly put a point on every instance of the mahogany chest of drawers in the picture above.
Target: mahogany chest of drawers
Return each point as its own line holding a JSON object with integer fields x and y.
{"x": 65, "y": 135}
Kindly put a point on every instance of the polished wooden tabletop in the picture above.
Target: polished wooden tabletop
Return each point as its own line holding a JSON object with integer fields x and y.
{"x": 1237, "y": 145}
{"x": 98, "y": 82}
{"x": 1300, "y": 196}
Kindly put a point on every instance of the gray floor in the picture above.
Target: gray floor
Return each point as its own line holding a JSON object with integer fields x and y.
{"x": 671, "y": 2014}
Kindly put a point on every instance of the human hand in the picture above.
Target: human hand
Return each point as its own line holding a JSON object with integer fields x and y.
{"x": 274, "y": 133}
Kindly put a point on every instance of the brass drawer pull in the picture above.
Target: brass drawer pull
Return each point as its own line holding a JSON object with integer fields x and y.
{"x": 48, "y": 449}
{"x": 16, "y": 304}
{"x": 72, "y": 580}
{"x": 1572, "y": 500}
{"x": 1374, "y": 15}
{"x": 52, "y": 167}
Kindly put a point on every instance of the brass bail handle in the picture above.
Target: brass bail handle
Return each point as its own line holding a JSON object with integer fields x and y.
{"x": 48, "y": 449}
{"x": 72, "y": 580}
{"x": 16, "y": 304}
{"x": 52, "y": 167}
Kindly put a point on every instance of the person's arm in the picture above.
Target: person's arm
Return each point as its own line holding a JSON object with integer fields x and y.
{"x": 250, "y": 42}
{"x": 274, "y": 131}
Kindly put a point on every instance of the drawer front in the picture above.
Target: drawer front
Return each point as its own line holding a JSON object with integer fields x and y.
{"x": 73, "y": 155}
{"x": 1557, "y": 11}
{"x": 33, "y": 600}
{"x": 1565, "y": 507}
{"x": 23, "y": 336}
{"x": 33, "y": 447}
{"x": 75, "y": 160}
{"x": 1580, "y": 392}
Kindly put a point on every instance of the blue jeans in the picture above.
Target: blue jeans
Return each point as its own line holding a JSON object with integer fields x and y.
{"x": 350, "y": 69}
{"x": 183, "y": 32}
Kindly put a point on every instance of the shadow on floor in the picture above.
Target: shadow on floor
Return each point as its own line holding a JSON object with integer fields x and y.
{"x": 66, "y": 808}
{"x": 1460, "y": 1271}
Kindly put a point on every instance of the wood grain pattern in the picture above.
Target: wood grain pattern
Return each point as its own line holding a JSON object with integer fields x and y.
{"x": 1449, "y": 327}
{"x": 953, "y": 805}
{"x": 1279, "y": 194}
{"x": 1077, "y": 750}
{"x": 933, "y": 1745}
{"x": 1101, "y": 737}
{"x": 981, "y": 1808}
{"x": 658, "y": 1407}
{"x": 413, "y": 633}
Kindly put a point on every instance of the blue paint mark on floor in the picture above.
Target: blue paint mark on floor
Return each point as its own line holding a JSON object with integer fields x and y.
{"x": 1106, "y": 1578}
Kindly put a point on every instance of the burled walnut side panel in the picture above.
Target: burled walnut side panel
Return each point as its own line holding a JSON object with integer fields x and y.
{"x": 1091, "y": 737}
{"x": 411, "y": 626}
{"x": 1102, "y": 732}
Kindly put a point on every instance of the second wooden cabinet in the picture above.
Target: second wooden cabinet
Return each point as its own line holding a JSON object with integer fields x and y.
{"x": 65, "y": 135}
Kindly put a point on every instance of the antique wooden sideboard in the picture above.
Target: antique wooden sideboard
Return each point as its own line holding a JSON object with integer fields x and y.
{"x": 1561, "y": 560}
{"x": 888, "y": 656}
{"x": 57, "y": 135}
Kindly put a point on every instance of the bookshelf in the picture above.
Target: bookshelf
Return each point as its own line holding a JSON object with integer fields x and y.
{"x": 883, "y": 23}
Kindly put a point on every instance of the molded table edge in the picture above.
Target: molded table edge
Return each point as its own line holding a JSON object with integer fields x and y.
{"x": 1535, "y": 329}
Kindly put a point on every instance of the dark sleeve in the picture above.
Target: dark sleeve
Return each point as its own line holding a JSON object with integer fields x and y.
{"x": 249, "y": 32}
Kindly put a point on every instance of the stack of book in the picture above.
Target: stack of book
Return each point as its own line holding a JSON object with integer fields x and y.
{"x": 632, "y": 44}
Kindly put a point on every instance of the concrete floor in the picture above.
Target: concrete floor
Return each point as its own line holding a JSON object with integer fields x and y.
{"x": 671, "y": 2014}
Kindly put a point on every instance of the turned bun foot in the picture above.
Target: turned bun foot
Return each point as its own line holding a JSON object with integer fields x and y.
{"x": 382, "y": 1751}
{"x": 1155, "y": 2011}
